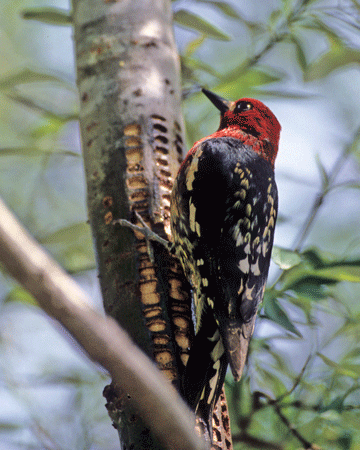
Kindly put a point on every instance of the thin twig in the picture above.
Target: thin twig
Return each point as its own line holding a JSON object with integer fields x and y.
{"x": 270, "y": 402}
{"x": 327, "y": 186}
{"x": 306, "y": 444}
{"x": 296, "y": 382}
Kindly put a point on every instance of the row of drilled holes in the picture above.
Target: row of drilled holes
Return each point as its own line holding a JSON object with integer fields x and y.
{"x": 150, "y": 298}
{"x": 179, "y": 300}
{"x": 162, "y": 153}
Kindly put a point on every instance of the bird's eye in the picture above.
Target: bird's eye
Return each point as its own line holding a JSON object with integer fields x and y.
{"x": 243, "y": 106}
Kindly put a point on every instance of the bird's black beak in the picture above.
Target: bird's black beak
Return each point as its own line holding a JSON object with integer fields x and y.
{"x": 221, "y": 104}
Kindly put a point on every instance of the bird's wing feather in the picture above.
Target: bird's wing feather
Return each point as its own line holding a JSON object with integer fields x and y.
{"x": 199, "y": 206}
{"x": 245, "y": 249}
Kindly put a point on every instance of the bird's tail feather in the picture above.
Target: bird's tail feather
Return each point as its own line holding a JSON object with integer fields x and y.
{"x": 205, "y": 371}
{"x": 236, "y": 339}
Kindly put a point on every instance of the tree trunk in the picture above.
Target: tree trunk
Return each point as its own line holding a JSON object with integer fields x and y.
{"x": 132, "y": 136}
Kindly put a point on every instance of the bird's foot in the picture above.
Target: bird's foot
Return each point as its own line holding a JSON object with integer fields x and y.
{"x": 147, "y": 232}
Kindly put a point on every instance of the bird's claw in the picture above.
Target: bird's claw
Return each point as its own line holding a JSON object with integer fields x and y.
{"x": 146, "y": 231}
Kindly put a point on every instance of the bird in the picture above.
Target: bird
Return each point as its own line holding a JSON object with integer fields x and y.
{"x": 223, "y": 212}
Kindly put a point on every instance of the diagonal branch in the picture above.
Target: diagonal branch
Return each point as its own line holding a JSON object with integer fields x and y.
{"x": 101, "y": 338}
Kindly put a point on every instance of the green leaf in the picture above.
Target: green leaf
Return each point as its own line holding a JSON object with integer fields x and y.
{"x": 316, "y": 258}
{"x": 225, "y": 8}
{"x": 36, "y": 106}
{"x": 316, "y": 271}
{"x": 311, "y": 287}
{"x": 257, "y": 29}
{"x": 72, "y": 247}
{"x": 339, "y": 56}
{"x": 285, "y": 258}
{"x": 355, "y": 353}
{"x": 348, "y": 372}
{"x": 26, "y": 76}
{"x": 36, "y": 151}
{"x": 290, "y": 277}
{"x": 239, "y": 83}
{"x": 274, "y": 17}
{"x": 271, "y": 380}
{"x": 341, "y": 272}
{"x": 259, "y": 75}
{"x": 336, "y": 405}
{"x": 308, "y": 2}
{"x": 329, "y": 266}
{"x": 313, "y": 22}
{"x": 192, "y": 64}
{"x": 275, "y": 93}
{"x": 288, "y": 6}
{"x": 300, "y": 54}
{"x": 54, "y": 16}
{"x": 19, "y": 294}
{"x": 48, "y": 125}
{"x": 194, "y": 45}
{"x": 275, "y": 312}
{"x": 194, "y": 22}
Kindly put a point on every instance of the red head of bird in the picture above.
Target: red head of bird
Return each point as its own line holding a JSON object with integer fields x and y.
{"x": 253, "y": 118}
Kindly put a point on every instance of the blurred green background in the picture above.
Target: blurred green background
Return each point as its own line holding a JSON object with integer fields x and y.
{"x": 302, "y": 59}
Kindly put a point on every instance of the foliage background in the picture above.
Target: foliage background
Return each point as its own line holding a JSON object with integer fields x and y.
{"x": 302, "y": 59}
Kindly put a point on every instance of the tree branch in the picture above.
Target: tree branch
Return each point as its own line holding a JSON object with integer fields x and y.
{"x": 102, "y": 339}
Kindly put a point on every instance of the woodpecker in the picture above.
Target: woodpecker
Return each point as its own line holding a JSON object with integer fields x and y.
{"x": 223, "y": 212}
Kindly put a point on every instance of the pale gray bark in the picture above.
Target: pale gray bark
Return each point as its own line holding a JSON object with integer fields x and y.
{"x": 132, "y": 134}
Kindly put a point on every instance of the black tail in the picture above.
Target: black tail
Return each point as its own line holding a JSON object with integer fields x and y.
{"x": 236, "y": 337}
{"x": 205, "y": 371}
